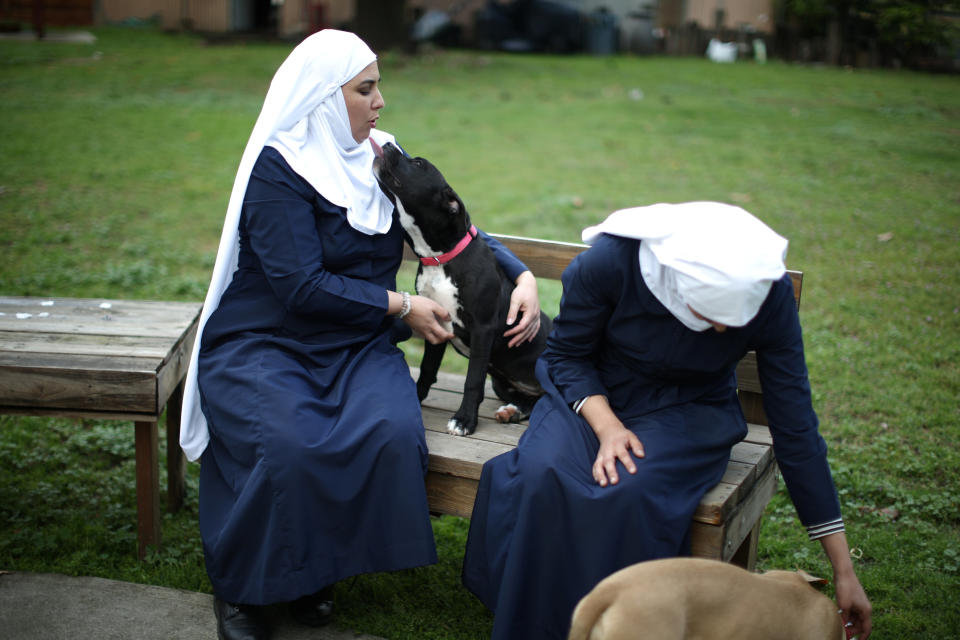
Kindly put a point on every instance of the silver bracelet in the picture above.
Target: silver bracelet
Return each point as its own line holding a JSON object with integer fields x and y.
{"x": 405, "y": 306}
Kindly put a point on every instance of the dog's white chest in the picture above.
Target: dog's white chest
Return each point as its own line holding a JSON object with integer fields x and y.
{"x": 433, "y": 283}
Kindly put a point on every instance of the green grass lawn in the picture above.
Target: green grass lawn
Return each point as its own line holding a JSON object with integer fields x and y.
{"x": 118, "y": 158}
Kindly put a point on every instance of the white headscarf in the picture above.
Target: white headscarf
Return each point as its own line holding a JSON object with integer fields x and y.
{"x": 714, "y": 258}
{"x": 305, "y": 118}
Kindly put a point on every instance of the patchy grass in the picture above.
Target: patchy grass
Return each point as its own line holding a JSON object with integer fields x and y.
{"x": 118, "y": 160}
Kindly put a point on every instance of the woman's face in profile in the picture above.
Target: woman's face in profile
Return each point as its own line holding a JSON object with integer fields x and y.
{"x": 717, "y": 326}
{"x": 362, "y": 95}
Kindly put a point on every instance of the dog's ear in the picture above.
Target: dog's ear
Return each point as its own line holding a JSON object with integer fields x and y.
{"x": 452, "y": 201}
{"x": 813, "y": 581}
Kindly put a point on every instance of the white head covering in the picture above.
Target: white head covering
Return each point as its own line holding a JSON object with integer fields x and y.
{"x": 305, "y": 118}
{"x": 715, "y": 258}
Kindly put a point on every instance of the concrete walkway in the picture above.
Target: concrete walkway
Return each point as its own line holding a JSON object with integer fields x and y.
{"x": 45, "y": 606}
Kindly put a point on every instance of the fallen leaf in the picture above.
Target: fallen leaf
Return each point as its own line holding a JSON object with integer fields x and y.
{"x": 885, "y": 237}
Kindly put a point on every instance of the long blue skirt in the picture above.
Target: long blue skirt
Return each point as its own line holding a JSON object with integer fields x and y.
{"x": 544, "y": 533}
{"x": 315, "y": 467}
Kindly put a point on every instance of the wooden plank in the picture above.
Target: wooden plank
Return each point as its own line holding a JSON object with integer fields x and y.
{"x": 78, "y": 316}
{"x": 459, "y": 456}
{"x": 740, "y": 474}
{"x": 758, "y": 434}
{"x": 85, "y": 344}
{"x": 173, "y": 369}
{"x": 752, "y": 405}
{"x": 449, "y": 401}
{"x": 717, "y": 502}
{"x": 453, "y": 382}
{"x": 755, "y": 454}
{"x": 487, "y": 430}
{"x": 53, "y": 362}
{"x": 450, "y": 494}
{"x": 545, "y": 258}
{"x": 78, "y": 389}
{"x": 748, "y": 379}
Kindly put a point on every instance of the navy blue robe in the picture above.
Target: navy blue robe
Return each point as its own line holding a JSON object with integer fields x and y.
{"x": 315, "y": 467}
{"x": 543, "y": 532}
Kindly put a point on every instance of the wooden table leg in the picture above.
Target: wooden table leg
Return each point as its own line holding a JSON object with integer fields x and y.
{"x": 176, "y": 461}
{"x": 148, "y": 486}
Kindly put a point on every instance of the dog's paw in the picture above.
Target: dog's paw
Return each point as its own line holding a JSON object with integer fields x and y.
{"x": 507, "y": 413}
{"x": 457, "y": 427}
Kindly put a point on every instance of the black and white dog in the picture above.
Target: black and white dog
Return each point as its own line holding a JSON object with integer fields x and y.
{"x": 463, "y": 276}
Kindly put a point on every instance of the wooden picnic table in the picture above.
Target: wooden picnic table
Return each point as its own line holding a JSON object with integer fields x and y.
{"x": 108, "y": 360}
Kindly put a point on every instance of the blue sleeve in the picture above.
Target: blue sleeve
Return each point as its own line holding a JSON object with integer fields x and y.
{"x": 510, "y": 264}
{"x": 800, "y": 449}
{"x": 590, "y": 292}
{"x": 280, "y": 218}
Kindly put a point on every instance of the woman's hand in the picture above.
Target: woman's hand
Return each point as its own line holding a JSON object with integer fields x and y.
{"x": 428, "y": 320}
{"x": 616, "y": 444}
{"x": 524, "y": 299}
{"x": 855, "y": 608}
{"x": 616, "y": 441}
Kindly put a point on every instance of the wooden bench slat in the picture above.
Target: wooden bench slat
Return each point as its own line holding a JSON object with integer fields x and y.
{"x": 451, "y": 494}
{"x": 130, "y": 390}
{"x": 444, "y": 400}
{"x": 86, "y": 316}
{"x": 85, "y": 344}
{"x": 488, "y": 430}
{"x": 461, "y": 456}
{"x": 80, "y": 362}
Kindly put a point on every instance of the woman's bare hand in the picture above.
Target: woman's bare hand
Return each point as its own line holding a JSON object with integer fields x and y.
{"x": 428, "y": 320}
{"x": 526, "y": 300}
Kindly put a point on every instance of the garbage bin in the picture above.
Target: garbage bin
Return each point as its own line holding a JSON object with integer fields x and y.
{"x": 602, "y": 32}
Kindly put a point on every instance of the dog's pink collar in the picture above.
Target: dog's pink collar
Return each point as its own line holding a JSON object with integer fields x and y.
{"x": 434, "y": 261}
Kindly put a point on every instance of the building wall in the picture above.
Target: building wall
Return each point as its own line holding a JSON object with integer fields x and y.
{"x": 756, "y": 14}
{"x": 57, "y": 13}
{"x": 202, "y": 15}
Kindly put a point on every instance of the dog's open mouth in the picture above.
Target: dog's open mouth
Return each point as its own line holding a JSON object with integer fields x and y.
{"x": 385, "y": 158}
{"x": 377, "y": 149}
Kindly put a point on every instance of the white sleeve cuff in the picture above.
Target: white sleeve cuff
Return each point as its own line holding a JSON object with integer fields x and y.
{"x": 825, "y": 529}
{"x": 579, "y": 404}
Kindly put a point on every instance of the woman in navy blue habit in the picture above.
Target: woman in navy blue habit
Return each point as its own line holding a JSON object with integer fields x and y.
{"x": 298, "y": 401}
{"x": 641, "y": 411}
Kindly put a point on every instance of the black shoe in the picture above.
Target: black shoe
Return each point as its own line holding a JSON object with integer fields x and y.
{"x": 314, "y": 610}
{"x": 240, "y": 621}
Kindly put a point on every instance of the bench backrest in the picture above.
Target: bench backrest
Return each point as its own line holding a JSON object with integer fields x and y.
{"x": 548, "y": 259}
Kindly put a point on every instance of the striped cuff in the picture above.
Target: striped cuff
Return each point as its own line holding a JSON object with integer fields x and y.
{"x": 818, "y": 531}
{"x": 576, "y": 406}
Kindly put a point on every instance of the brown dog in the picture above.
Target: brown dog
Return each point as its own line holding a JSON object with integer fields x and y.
{"x": 693, "y": 598}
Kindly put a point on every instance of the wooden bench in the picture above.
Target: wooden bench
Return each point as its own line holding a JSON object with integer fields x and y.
{"x": 727, "y": 523}
{"x": 107, "y": 360}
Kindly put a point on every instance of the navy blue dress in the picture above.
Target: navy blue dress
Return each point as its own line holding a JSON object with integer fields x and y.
{"x": 543, "y": 532}
{"x": 315, "y": 467}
